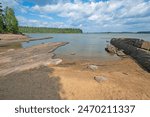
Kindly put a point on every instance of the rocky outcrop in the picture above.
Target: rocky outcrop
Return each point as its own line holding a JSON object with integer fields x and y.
{"x": 133, "y": 47}
{"x": 29, "y": 58}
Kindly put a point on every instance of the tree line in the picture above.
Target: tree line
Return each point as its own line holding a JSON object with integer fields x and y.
{"x": 8, "y": 21}
{"x": 25, "y": 29}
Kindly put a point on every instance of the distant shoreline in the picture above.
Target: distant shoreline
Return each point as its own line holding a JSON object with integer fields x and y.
{"x": 25, "y": 29}
{"x": 142, "y": 32}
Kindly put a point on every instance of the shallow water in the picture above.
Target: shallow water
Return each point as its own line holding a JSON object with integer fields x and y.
{"x": 83, "y": 46}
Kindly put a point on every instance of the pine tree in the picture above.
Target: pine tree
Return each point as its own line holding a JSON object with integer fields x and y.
{"x": 1, "y": 20}
{"x": 11, "y": 21}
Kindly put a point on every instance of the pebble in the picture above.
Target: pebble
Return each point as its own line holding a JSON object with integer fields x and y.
{"x": 100, "y": 78}
{"x": 92, "y": 67}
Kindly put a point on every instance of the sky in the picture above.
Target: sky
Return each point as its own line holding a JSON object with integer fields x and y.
{"x": 88, "y": 15}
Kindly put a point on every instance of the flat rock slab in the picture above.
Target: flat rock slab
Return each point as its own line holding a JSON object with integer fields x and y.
{"x": 28, "y": 58}
{"x": 100, "y": 78}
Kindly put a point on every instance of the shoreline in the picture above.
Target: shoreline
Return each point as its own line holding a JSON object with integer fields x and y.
{"x": 35, "y": 77}
{"x": 9, "y": 37}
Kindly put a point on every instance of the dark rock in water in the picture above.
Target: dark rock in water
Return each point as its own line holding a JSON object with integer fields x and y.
{"x": 111, "y": 49}
{"x": 100, "y": 78}
{"x": 92, "y": 67}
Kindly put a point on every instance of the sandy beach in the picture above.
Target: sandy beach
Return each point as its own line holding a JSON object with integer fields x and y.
{"x": 74, "y": 80}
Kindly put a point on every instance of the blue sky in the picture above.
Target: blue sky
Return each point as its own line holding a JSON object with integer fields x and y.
{"x": 89, "y": 15}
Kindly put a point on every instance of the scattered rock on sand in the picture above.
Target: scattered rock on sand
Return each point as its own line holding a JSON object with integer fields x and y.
{"x": 92, "y": 67}
{"x": 100, "y": 78}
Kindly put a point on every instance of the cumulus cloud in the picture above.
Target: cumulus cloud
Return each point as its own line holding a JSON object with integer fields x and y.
{"x": 39, "y": 23}
{"x": 108, "y": 15}
{"x": 104, "y": 14}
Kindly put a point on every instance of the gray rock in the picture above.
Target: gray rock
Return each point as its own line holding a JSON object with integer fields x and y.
{"x": 121, "y": 53}
{"x": 111, "y": 49}
{"x": 100, "y": 78}
{"x": 92, "y": 67}
{"x": 73, "y": 53}
{"x": 146, "y": 45}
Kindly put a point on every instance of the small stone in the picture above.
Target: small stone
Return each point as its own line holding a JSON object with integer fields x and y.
{"x": 55, "y": 61}
{"x": 92, "y": 67}
{"x": 73, "y": 53}
{"x": 120, "y": 53}
{"x": 100, "y": 78}
{"x": 111, "y": 49}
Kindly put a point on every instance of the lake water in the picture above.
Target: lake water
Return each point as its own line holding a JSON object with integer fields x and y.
{"x": 83, "y": 46}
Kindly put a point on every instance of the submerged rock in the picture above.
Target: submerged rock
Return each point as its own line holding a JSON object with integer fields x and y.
{"x": 92, "y": 67}
{"x": 100, "y": 78}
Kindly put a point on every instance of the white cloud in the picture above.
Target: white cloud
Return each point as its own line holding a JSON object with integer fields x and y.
{"x": 109, "y": 15}
{"x": 95, "y": 10}
{"x": 37, "y": 23}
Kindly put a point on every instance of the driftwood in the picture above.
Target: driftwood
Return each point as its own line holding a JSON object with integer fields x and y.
{"x": 8, "y": 42}
{"x": 133, "y": 48}
{"x": 27, "y": 58}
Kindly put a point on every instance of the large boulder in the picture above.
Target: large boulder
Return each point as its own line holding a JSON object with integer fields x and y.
{"x": 141, "y": 56}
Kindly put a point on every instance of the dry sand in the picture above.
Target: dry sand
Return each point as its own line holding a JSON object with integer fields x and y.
{"x": 125, "y": 80}
{"x": 73, "y": 80}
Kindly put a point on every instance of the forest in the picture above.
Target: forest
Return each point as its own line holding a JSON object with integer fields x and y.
{"x": 8, "y": 21}
{"x": 25, "y": 29}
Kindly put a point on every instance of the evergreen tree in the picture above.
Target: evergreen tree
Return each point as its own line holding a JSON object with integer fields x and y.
{"x": 1, "y": 20}
{"x": 11, "y": 21}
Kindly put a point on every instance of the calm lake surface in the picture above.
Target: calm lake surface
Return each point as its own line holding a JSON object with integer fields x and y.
{"x": 82, "y": 46}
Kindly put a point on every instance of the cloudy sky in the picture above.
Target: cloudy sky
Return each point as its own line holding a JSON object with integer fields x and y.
{"x": 89, "y": 15}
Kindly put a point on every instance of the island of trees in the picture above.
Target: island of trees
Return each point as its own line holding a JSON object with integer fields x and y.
{"x": 25, "y": 29}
